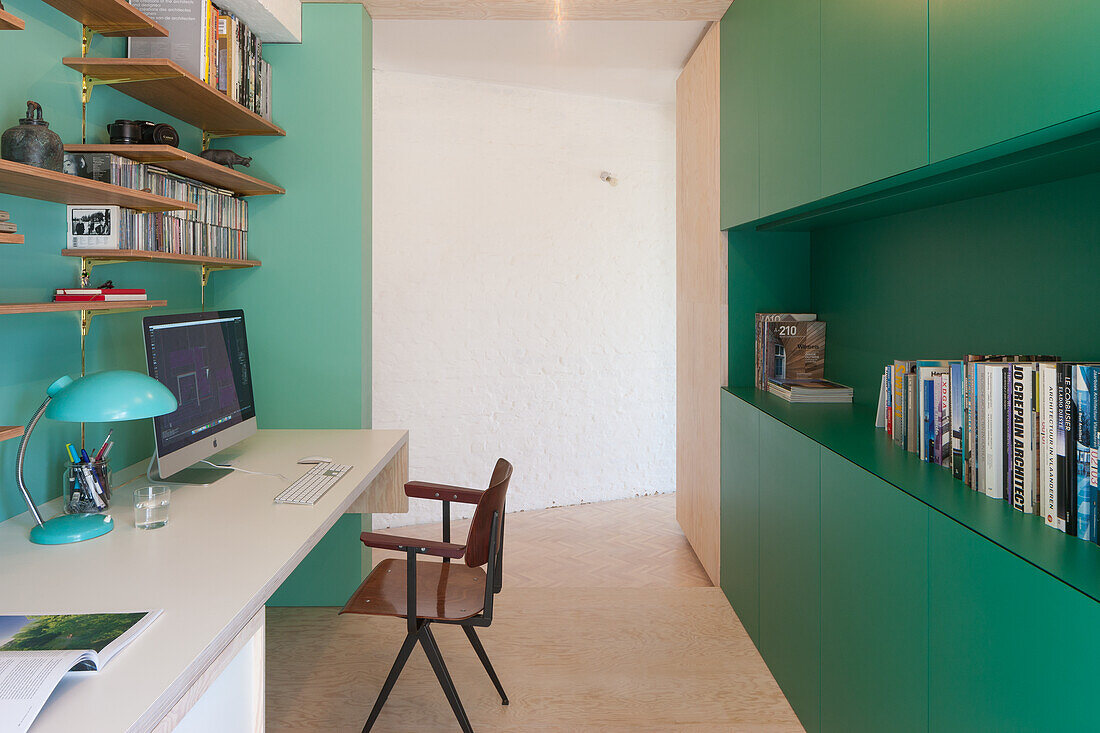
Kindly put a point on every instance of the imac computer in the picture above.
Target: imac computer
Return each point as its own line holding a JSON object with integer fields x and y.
{"x": 203, "y": 359}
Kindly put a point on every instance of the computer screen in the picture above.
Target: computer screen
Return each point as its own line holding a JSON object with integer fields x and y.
{"x": 203, "y": 359}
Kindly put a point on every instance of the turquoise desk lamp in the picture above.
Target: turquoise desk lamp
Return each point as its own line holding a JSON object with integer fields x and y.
{"x": 100, "y": 397}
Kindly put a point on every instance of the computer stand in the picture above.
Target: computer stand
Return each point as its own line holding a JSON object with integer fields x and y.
{"x": 198, "y": 474}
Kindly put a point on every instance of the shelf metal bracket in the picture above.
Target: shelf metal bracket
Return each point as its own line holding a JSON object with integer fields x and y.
{"x": 87, "y": 263}
{"x": 207, "y": 137}
{"x": 205, "y": 280}
{"x": 88, "y": 83}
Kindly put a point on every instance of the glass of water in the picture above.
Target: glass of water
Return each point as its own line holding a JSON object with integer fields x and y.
{"x": 151, "y": 507}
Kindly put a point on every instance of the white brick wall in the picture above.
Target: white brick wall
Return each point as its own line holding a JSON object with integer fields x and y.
{"x": 522, "y": 307}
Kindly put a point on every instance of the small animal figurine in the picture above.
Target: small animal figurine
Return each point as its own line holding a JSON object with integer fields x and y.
{"x": 225, "y": 157}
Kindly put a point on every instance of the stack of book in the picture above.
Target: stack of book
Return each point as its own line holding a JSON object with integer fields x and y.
{"x": 790, "y": 359}
{"x": 218, "y": 228}
{"x": 212, "y": 44}
{"x": 1024, "y": 429}
{"x": 810, "y": 390}
{"x": 6, "y": 226}
{"x": 92, "y": 295}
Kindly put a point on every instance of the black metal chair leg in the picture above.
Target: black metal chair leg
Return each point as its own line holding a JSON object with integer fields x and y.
{"x": 435, "y": 657}
{"x": 476, "y": 643}
{"x": 395, "y": 672}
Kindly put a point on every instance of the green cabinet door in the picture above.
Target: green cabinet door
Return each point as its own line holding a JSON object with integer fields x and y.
{"x": 789, "y": 56}
{"x": 1010, "y": 647}
{"x": 874, "y": 90}
{"x": 740, "y": 149}
{"x": 790, "y": 578}
{"x": 740, "y": 532}
{"x": 874, "y": 603}
{"x": 1002, "y": 68}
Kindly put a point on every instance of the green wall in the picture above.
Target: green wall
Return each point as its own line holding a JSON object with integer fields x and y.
{"x": 997, "y": 274}
{"x": 307, "y": 307}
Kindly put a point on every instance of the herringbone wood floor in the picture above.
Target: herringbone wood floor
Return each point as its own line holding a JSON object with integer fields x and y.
{"x": 607, "y": 623}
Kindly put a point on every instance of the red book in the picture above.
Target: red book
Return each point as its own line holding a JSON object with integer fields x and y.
{"x": 99, "y": 291}
{"x": 95, "y": 298}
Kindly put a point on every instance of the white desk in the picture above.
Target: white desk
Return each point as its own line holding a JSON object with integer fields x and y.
{"x": 226, "y": 549}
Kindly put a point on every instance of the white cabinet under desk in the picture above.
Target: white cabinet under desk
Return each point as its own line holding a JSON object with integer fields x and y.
{"x": 226, "y": 549}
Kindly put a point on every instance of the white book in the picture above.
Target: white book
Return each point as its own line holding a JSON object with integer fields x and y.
{"x": 1022, "y": 439}
{"x": 977, "y": 437}
{"x": 880, "y": 414}
{"x": 994, "y": 431}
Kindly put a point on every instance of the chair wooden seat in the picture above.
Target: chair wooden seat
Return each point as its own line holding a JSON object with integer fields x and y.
{"x": 440, "y": 592}
{"x": 444, "y": 591}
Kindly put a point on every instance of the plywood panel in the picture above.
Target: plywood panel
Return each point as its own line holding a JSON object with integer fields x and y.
{"x": 386, "y": 494}
{"x": 545, "y": 9}
{"x": 701, "y": 365}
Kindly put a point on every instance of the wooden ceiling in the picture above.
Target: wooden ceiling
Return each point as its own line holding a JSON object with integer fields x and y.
{"x": 546, "y": 9}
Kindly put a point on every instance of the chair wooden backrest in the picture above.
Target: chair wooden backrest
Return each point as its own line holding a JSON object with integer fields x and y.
{"x": 479, "y": 539}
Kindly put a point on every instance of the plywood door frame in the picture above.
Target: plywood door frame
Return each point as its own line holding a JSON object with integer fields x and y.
{"x": 545, "y": 9}
{"x": 701, "y": 312}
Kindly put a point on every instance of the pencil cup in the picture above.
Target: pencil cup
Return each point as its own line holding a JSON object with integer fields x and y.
{"x": 87, "y": 487}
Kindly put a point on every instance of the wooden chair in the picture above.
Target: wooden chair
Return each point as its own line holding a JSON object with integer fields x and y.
{"x": 440, "y": 592}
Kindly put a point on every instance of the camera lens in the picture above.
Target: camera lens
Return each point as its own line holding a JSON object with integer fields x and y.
{"x": 124, "y": 132}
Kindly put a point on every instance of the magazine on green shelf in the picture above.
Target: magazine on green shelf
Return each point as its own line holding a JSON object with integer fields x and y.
{"x": 36, "y": 651}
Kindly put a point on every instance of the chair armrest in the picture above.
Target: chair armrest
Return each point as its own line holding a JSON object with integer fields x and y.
{"x": 403, "y": 544}
{"x": 442, "y": 492}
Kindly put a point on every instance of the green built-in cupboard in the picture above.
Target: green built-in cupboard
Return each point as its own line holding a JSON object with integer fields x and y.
{"x": 922, "y": 175}
{"x": 825, "y": 101}
{"x": 875, "y": 611}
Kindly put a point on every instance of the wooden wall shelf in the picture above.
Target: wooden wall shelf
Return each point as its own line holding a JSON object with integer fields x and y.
{"x": 6, "y": 238}
{"x": 8, "y": 309}
{"x": 18, "y": 179}
{"x": 187, "y": 164}
{"x": 110, "y": 17}
{"x": 9, "y": 22}
{"x": 8, "y": 432}
{"x": 164, "y": 85}
{"x": 109, "y": 256}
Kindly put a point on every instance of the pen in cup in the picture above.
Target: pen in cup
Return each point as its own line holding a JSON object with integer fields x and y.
{"x": 99, "y": 453}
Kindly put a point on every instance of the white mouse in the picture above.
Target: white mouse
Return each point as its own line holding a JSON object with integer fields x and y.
{"x": 315, "y": 459}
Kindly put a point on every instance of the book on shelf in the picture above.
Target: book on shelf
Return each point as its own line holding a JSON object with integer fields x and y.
{"x": 1023, "y": 429}
{"x": 217, "y": 228}
{"x": 880, "y": 412}
{"x": 794, "y": 350}
{"x": 1086, "y": 499}
{"x": 957, "y": 418}
{"x": 104, "y": 298}
{"x": 91, "y": 295}
{"x": 761, "y": 319}
{"x": 810, "y": 390}
{"x": 38, "y": 651}
{"x": 100, "y": 291}
{"x": 6, "y": 227}
{"x": 211, "y": 43}
{"x": 4, "y": 216}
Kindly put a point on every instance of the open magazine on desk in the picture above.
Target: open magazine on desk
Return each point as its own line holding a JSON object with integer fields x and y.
{"x": 37, "y": 651}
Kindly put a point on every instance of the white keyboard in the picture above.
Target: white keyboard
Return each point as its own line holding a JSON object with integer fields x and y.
{"x": 312, "y": 484}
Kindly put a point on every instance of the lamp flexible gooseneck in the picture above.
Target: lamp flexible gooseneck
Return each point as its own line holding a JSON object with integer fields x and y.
{"x": 22, "y": 454}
